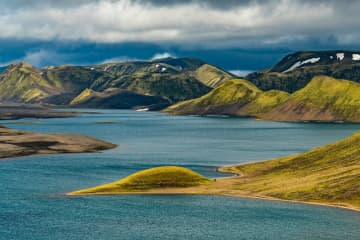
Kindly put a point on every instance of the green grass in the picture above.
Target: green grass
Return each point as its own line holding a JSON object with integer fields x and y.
{"x": 154, "y": 178}
{"x": 328, "y": 174}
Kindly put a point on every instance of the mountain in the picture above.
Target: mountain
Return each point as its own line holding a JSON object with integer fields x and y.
{"x": 175, "y": 79}
{"x": 329, "y": 174}
{"x": 117, "y": 98}
{"x": 296, "y": 70}
{"x": 323, "y": 99}
{"x": 21, "y": 82}
{"x": 156, "y": 82}
{"x": 236, "y": 97}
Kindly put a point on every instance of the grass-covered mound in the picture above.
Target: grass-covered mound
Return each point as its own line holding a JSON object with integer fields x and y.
{"x": 153, "y": 178}
{"x": 329, "y": 174}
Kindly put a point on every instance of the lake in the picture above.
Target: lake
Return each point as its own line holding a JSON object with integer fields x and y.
{"x": 33, "y": 205}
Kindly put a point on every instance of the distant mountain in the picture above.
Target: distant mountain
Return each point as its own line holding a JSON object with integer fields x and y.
{"x": 294, "y": 71}
{"x": 163, "y": 80}
{"x": 323, "y": 99}
{"x": 174, "y": 79}
{"x": 21, "y": 82}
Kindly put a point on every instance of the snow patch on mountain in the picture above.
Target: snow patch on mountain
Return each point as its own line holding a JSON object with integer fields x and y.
{"x": 340, "y": 56}
{"x": 356, "y": 57}
{"x": 300, "y": 63}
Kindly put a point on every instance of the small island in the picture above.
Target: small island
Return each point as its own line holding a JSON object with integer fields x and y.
{"x": 327, "y": 175}
{"x": 14, "y": 143}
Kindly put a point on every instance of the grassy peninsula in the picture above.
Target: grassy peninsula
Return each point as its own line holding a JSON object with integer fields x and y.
{"x": 150, "y": 179}
{"x": 328, "y": 175}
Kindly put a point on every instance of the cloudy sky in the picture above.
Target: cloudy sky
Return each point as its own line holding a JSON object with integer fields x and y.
{"x": 234, "y": 34}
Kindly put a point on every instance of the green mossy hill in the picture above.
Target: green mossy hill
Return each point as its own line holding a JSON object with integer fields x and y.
{"x": 21, "y": 82}
{"x": 236, "y": 97}
{"x": 296, "y": 70}
{"x": 175, "y": 79}
{"x": 329, "y": 174}
{"x": 153, "y": 178}
{"x": 211, "y": 75}
{"x": 323, "y": 99}
{"x": 118, "y": 99}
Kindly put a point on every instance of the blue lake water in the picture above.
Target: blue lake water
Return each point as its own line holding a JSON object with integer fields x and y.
{"x": 33, "y": 205}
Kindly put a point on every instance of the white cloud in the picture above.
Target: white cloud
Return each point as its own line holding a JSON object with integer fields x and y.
{"x": 110, "y": 21}
{"x": 119, "y": 59}
{"x": 162, "y": 55}
{"x": 241, "y": 73}
{"x": 39, "y": 58}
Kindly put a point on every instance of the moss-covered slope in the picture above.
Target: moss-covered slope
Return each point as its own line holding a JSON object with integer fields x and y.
{"x": 329, "y": 174}
{"x": 146, "y": 180}
{"x": 323, "y": 99}
{"x": 236, "y": 97}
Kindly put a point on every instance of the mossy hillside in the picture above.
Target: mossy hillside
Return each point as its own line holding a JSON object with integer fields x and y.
{"x": 23, "y": 82}
{"x": 236, "y": 97}
{"x": 265, "y": 102}
{"x": 211, "y": 75}
{"x": 234, "y": 91}
{"x": 153, "y": 178}
{"x": 83, "y": 96}
{"x": 329, "y": 174}
{"x": 323, "y": 99}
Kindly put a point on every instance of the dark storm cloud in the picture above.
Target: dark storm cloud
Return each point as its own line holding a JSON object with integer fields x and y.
{"x": 186, "y": 22}
{"x": 71, "y": 31}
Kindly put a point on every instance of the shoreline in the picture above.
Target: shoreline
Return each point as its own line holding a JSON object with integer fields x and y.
{"x": 264, "y": 198}
{"x": 199, "y": 190}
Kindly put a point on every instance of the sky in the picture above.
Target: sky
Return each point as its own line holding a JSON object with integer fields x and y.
{"x": 236, "y": 35}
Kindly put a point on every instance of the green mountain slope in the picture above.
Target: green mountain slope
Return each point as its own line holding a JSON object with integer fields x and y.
{"x": 296, "y": 70}
{"x": 22, "y": 82}
{"x": 329, "y": 174}
{"x": 236, "y": 97}
{"x": 323, "y": 99}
